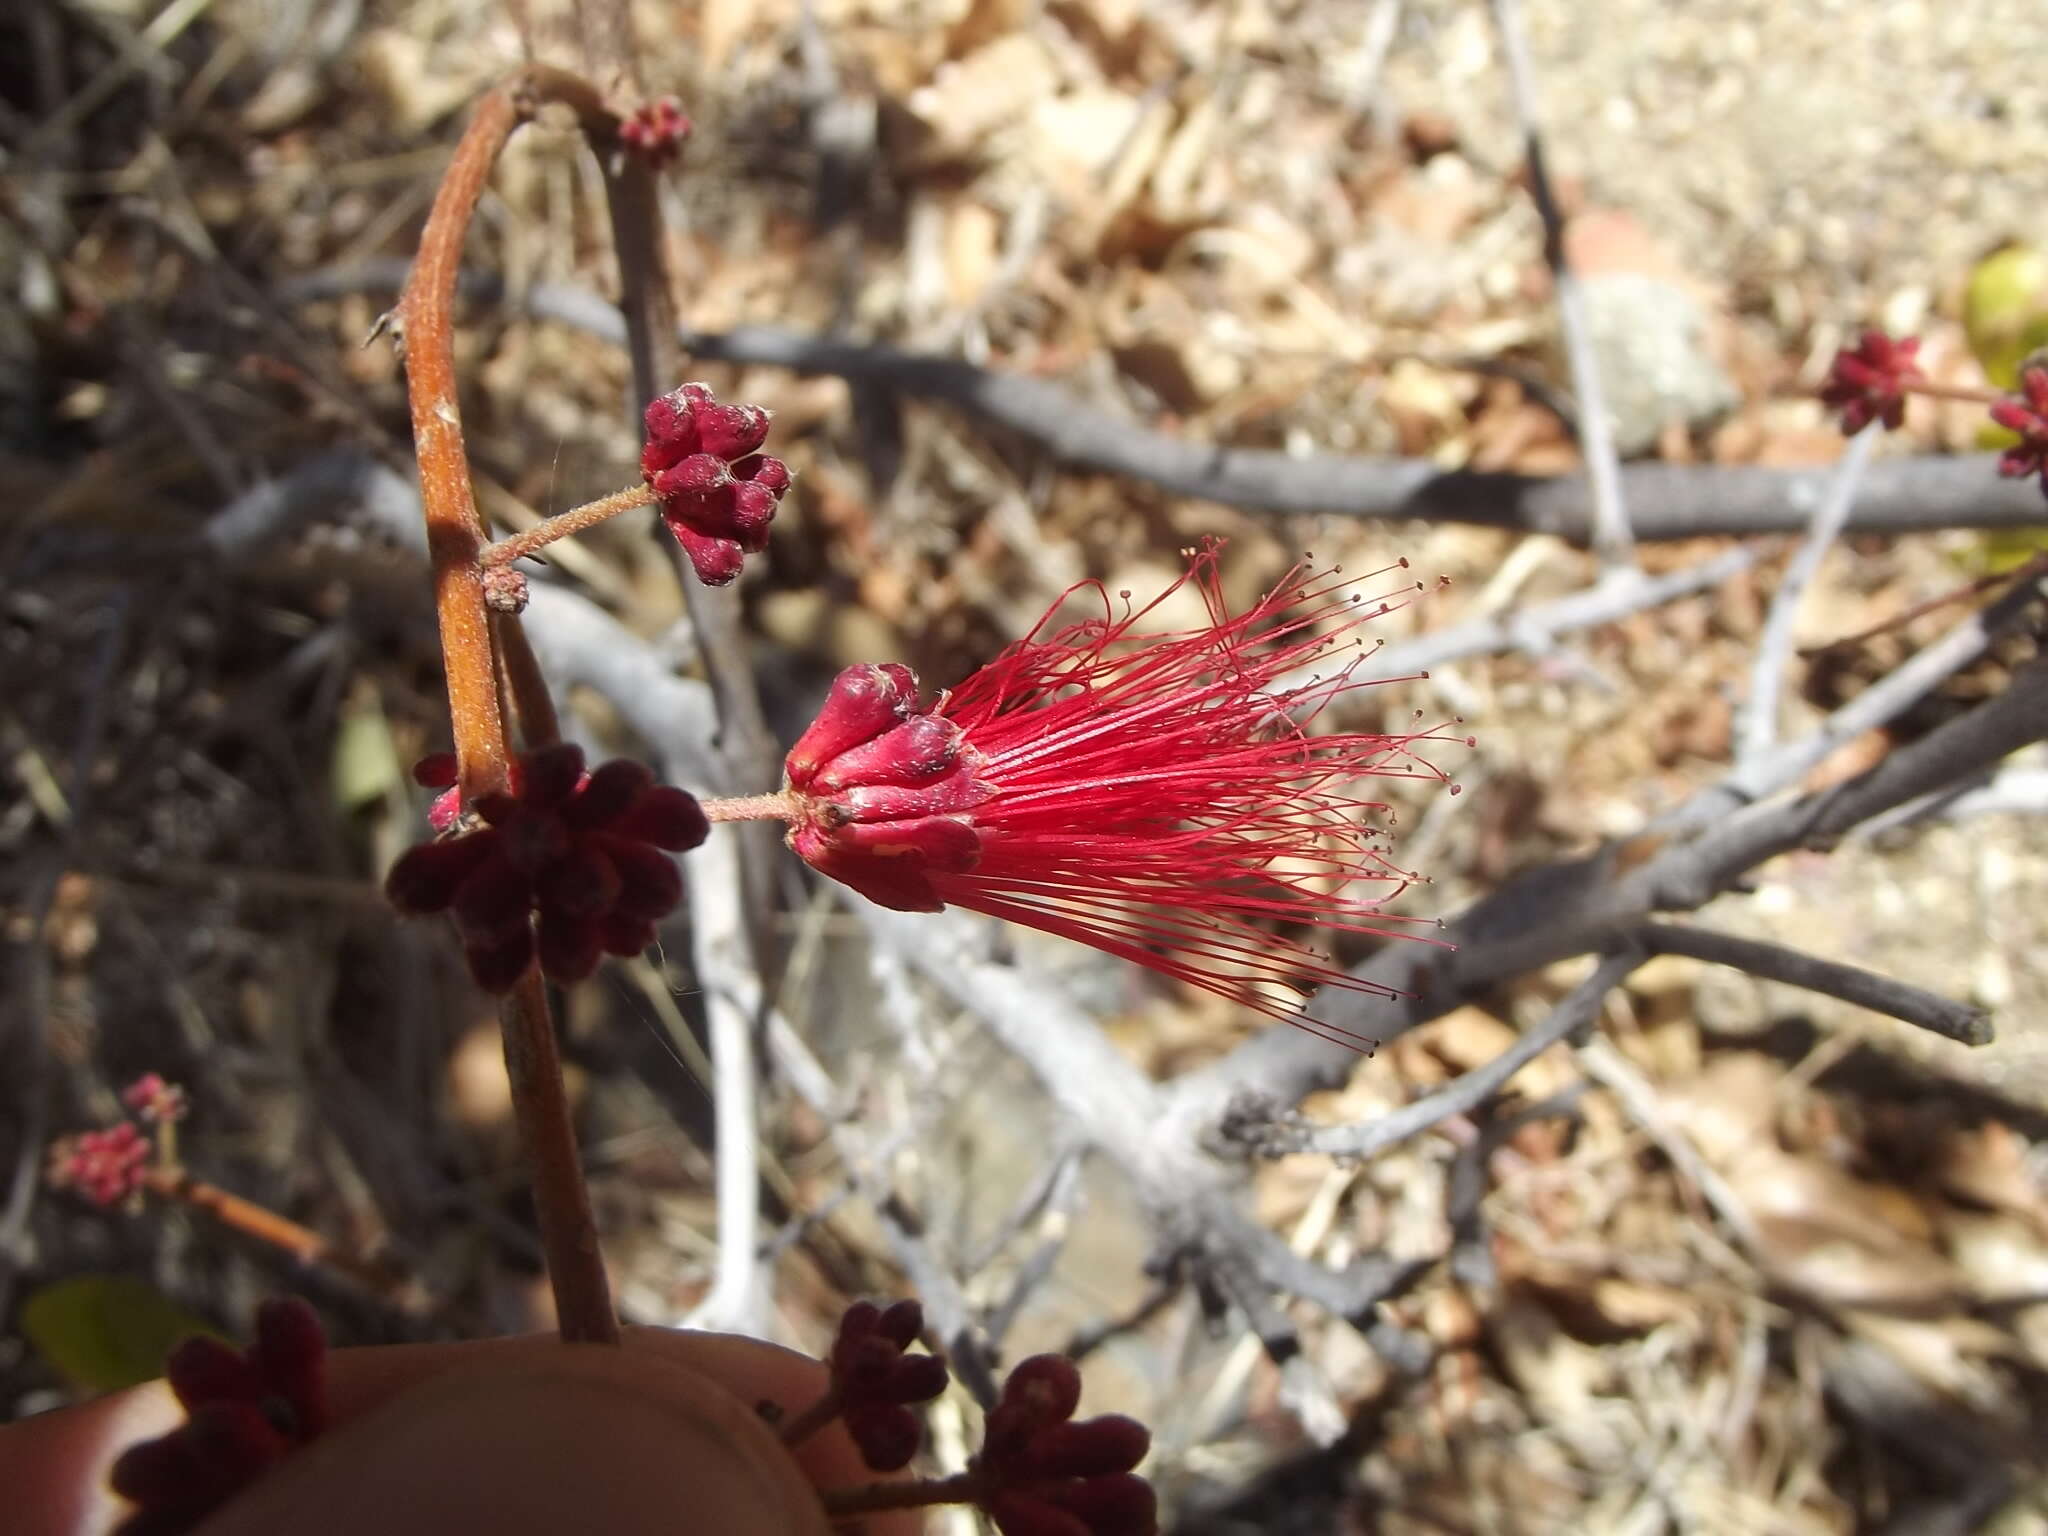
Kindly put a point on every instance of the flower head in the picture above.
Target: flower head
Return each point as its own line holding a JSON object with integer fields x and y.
{"x": 1159, "y": 797}
{"x": 875, "y": 1379}
{"x": 656, "y": 130}
{"x": 104, "y": 1166}
{"x": 245, "y": 1411}
{"x": 156, "y": 1101}
{"x": 718, "y": 491}
{"x": 1041, "y": 1472}
{"x": 1868, "y": 382}
{"x": 2026, "y": 413}
{"x": 582, "y": 853}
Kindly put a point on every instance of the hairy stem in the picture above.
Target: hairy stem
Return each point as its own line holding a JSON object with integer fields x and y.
{"x": 796, "y": 1431}
{"x": 776, "y": 807}
{"x": 560, "y": 526}
{"x": 568, "y": 1231}
{"x": 869, "y": 1498}
{"x": 455, "y": 533}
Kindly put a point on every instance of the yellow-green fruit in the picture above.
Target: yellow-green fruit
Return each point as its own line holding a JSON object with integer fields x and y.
{"x": 2005, "y": 311}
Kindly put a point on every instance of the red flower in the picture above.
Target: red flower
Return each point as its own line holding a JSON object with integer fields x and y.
{"x": 104, "y": 1166}
{"x": 1868, "y": 382}
{"x": 583, "y": 852}
{"x": 718, "y": 491}
{"x": 1159, "y": 797}
{"x": 2027, "y": 414}
{"x": 245, "y": 1412}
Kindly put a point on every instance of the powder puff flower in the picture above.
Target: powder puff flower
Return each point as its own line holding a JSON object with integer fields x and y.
{"x": 1160, "y": 797}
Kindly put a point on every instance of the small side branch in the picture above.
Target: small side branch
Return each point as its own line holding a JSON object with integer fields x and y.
{"x": 1901, "y": 1000}
{"x": 1358, "y": 1142}
{"x": 1758, "y": 731}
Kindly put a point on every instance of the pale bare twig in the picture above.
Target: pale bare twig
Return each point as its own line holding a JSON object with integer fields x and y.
{"x": 1666, "y": 501}
{"x": 1757, "y": 731}
{"x": 1612, "y": 540}
{"x": 1900, "y": 999}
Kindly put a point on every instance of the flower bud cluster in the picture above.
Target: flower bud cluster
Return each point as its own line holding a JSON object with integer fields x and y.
{"x": 156, "y": 1101}
{"x": 585, "y": 854}
{"x": 718, "y": 491}
{"x": 1043, "y": 1473}
{"x": 874, "y": 1381}
{"x": 1868, "y": 382}
{"x": 244, "y": 1413}
{"x": 2026, "y": 413}
{"x": 106, "y": 1167}
{"x": 885, "y": 790}
{"x": 656, "y": 131}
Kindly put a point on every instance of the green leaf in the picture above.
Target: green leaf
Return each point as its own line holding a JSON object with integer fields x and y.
{"x": 105, "y": 1332}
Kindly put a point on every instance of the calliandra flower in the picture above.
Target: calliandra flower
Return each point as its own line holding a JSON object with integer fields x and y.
{"x": 1160, "y": 797}
{"x": 1868, "y": 382}
{"x": 106, "y": 1167}
{"x": 569, "y": 866}
{"x": 245, "y": 1412}
{"x": 2026, "y": 413}
{"x": 718, "y": 492}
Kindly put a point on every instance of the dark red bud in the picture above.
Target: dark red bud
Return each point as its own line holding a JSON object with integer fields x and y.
{"x": 921, "y": 749}
{"x": 860, "y": 1317}
{"x": 1089, "y": 1447}
{"x": 552, "y": 774}
{"x": 582, "y": 883}
{"x": 716, "y": 561}
{"x": 569, "y": 947}
{"x": 204, "y": 1370}
{"x": 902, "y": 1322}
{"x": 609, "y": 793}
{"x": 886, "y": 1435}
{"x": 916, "y": 1378}
{"x": 497, "y": 962}
{"x": 731, "y": 431}
{"x": 1046, "y": 1387}
{"x": 694, "y": 476}
{"x": 650, "y": 885}
{"x": 750, "y": 510}
{"x": 766, "y": 471}
{"x": 493, "y": 902}
{"x": 291, "y": 1351}
{"x": 864, "y": 701}
{"x": 670, "y": 420}
{"x": 435, "y": 771}
{"x": 666, "y": 817}
{"x": 425, "y": 879}
{"x": 1122, "y": 1505}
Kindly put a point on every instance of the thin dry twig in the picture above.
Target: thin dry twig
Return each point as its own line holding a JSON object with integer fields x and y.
{"x": 1774, "y": 962}
{"x": 1757, "y": 731}
{"x": 1579, "y": 1008}
{"x": 1612, "y": 540}
{"x": 1666, "y": 501}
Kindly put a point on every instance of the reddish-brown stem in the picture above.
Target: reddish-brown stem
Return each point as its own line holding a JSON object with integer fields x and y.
{"x": 921, "y": 1493}
{"x": 562, "y": 524}
{"x": 532, "y": 703}
{"x": 776, "y": 807}
{"x": 568, "y": 1231}
{"x": 455, "y": 539}
{"x": 796, "y": 1431}
{"x": 455, "y": 533}
{"x": 303, "y": 1244}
